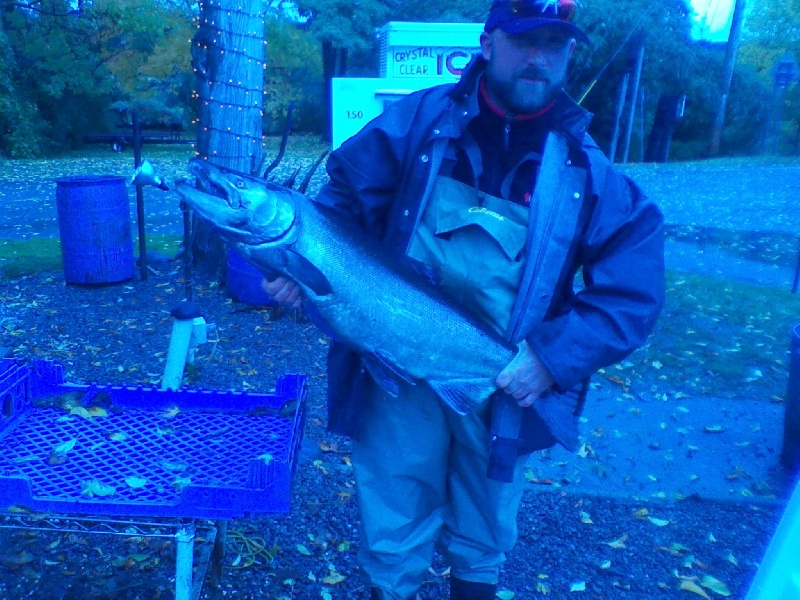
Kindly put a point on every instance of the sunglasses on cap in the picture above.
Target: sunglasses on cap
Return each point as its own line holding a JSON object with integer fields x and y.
{"x": 562, "y": 10}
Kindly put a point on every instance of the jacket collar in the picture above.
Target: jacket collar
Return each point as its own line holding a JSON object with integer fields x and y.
{"x": 572, "y": 119}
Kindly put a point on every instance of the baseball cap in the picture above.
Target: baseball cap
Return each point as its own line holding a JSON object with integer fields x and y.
{"x": 520, "y": 16}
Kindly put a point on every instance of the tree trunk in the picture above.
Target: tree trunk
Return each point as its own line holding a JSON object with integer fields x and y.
{"x": 731, "y": 49}
{"x": 228, "y": 59}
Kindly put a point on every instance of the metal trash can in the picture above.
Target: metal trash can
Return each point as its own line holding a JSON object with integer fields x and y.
{"x": 790, "y": 455}
{"x": 244, "y": 281}
{"x": 94, "y": 224}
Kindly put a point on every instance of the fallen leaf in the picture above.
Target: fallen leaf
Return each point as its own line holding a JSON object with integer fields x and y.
{"x": 95, "y": 487}
{"x": 691, "y": 586}
{"x": 578, "y": 586}
{"x": 619, "y": 543}
{"x": 181, "y": 482}
{"x": 713, "y": 428}
{"x": 542, "y": 588}
{"x": 658, "y": 522}
{"x": 81, "y": 412}
{"x": 505, "y": 595}
{"x": 139, "y": 557}
{"x": 65, "y": 447}
{"x": 22, "y": 558}
{"x": 303, "y": 550}
{"x": 715, "y": 585}
{"x": 174, "y": 466}
{"x": 97, "y": 411}
{"x": 136, "y": 482}
{"x": 334, "y": 579}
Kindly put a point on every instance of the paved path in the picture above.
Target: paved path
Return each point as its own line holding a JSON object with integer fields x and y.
{"x": 668, "y": 448}
{"x": 715, "y": 262}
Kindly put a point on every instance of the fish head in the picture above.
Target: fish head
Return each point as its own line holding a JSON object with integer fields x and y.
{"x": 244, "y": 209}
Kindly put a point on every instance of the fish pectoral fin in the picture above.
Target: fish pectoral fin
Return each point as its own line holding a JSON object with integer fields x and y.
{"x": 385, "y": 373}
{"x": 464, "y": 395}
{"x": 303, "y": 271}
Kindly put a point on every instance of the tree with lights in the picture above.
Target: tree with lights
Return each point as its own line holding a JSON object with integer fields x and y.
{"x": 228, "y": 61}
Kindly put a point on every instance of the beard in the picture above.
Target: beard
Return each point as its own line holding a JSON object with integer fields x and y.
{"x": 526, "y": 94}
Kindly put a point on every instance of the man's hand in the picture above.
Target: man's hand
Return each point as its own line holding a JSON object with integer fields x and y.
{"x": 525, "y": 377}
{"x": 284, "y": 291}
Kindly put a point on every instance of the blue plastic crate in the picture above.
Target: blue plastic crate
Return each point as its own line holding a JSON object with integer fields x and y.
{"x": 204, "y": 453}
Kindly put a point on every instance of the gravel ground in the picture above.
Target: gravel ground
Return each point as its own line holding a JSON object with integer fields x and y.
{"x": 571, "y": 545}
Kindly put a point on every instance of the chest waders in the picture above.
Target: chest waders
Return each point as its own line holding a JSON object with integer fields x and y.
{"x": 475, "y": 244}
{"x": 420, "y": 467}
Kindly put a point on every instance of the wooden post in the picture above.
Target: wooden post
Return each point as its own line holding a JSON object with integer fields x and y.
{"x": 137, "y": 161}
{"x": 790, "y": 454}
{"x": 637, "y": 46}
{"x": 622, "y": 92}
{"x": 731, "y": 49}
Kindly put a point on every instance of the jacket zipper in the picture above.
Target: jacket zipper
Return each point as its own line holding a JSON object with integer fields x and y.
{"x": 509, "y": 118}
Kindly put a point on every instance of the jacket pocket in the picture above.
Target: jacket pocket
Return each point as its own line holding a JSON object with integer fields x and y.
{"x": 508, "y": 235}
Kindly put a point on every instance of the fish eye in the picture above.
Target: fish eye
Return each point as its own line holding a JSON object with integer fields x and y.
{"x": 240, "y": 184}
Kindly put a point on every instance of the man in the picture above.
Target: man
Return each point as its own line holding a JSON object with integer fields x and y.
{"x": 493, "y": 184}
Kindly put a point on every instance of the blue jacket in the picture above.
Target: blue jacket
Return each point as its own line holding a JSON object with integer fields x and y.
{"x": 585, "y": 216}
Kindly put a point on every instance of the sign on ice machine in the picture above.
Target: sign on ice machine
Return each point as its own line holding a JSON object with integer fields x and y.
{"x": 413, "y": 56}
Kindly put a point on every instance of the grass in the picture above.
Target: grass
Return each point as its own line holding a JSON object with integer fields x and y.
{"x": 717, "y": 337}
{"x": 29, "y": 256}
{"x": 19, "y": 257}
{"x": 773, "y": 247}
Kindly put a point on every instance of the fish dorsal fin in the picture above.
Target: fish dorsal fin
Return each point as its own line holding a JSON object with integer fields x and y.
{"x": 464, "y": 395}
{"x": 299, "y": 268}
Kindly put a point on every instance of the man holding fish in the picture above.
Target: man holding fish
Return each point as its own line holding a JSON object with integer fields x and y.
{"x": 492, "y": 188}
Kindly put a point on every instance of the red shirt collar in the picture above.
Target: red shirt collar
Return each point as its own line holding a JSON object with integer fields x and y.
{"x": 502, "y": 113}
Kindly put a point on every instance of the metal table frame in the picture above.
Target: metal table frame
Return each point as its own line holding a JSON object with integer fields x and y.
{"x": 183, "y": 531}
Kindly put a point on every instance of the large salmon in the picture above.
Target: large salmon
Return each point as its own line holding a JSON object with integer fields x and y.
{"x": 401, "y": 325}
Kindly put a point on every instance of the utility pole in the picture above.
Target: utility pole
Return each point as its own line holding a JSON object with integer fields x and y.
{"x": 731, "y": 49}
